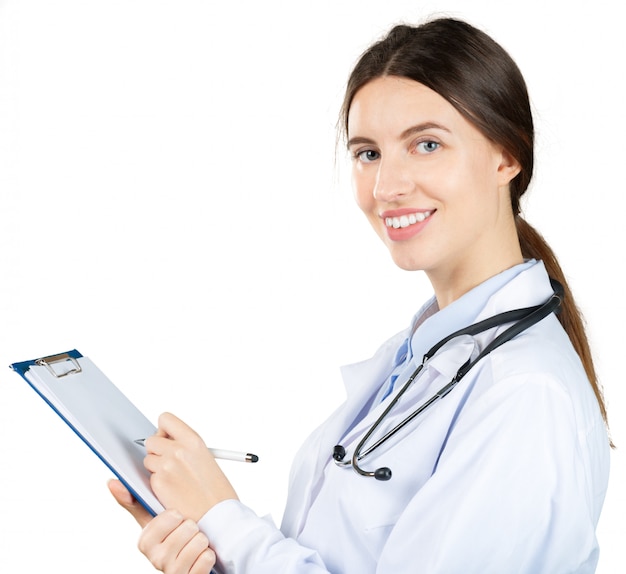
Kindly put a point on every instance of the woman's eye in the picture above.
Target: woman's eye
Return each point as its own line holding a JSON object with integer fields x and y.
{"x": 367, "y": 155}
{"x": 427, "y": 146}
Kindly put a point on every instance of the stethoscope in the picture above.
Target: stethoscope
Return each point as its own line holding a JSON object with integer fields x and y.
{"x": 522, "y": 319}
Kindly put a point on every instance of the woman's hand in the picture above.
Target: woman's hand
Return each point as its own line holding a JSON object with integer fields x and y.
{"x": 173, "y": 544}
{"x": 188, "y": 482}
{"x": 185, "y": 476}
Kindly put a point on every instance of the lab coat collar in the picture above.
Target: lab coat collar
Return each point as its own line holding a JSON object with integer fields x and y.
{"x": 462, "y": 312}
{"x": 530, "y": 287}
{"x": 515, "y": 287}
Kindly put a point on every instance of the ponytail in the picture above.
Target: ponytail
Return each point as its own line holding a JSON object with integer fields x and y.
{"x": 534, "y": 246}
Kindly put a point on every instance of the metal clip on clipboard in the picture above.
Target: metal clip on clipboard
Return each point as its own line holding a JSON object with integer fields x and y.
{"x": 64, "y": 358}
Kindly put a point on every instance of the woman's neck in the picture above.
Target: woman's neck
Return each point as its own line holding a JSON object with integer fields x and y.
{"x": 452, "y": 283}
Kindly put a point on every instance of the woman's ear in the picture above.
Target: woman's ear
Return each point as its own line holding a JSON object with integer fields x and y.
{"x": 509, "y": 167}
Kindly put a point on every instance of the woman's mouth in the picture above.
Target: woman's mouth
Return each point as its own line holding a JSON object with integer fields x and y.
{"x": 407, "y": 220}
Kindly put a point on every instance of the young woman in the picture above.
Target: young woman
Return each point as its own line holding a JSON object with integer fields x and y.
{"x": 504, "y": 467}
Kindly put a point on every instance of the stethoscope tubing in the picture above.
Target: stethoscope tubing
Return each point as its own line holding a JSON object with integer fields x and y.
{"x": 522, "y": 319}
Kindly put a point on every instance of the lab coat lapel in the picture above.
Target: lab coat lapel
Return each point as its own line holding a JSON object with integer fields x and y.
{"x": 361, "y": 381}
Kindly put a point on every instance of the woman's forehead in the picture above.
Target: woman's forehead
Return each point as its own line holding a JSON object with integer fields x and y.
{"x": 393, "y": 103}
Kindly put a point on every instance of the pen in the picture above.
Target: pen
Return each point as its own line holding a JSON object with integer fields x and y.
{"x": 220, "y": 453}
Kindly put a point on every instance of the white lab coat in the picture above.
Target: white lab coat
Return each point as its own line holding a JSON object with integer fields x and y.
{"x": 507, "y": 474}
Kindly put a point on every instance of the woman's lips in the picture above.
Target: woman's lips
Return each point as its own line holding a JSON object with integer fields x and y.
{"x": 404, "y": 224}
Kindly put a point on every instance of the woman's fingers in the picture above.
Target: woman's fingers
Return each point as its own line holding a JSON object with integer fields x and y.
{"x": 184, "y": 474}
{"x": 173, "y": 438}
{"x": 204, "y": 563}
{"x": 175, "y": 545}
{"x": 196, "y": 557}
{"x": 171, "y": 426}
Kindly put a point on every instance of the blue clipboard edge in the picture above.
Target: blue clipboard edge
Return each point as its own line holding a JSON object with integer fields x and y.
{"x": 22, "y": 368}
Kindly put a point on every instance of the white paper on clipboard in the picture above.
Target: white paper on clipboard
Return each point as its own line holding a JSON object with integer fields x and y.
{"x": 99, "y": 413}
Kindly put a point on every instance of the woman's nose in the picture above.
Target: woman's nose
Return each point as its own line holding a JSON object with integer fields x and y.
{"x": 392, "y": 182}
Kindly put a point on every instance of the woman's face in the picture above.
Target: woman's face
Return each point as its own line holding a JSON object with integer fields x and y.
{"x": 433, "y": 187}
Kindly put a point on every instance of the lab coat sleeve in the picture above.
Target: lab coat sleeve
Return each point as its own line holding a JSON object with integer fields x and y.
{"x": 248, "y": 544}
{"x": 511, "y": 492}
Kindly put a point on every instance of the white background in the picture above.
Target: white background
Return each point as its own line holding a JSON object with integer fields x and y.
{"x": 171, "y": 206}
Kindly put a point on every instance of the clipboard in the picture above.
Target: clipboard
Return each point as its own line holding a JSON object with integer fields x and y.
{"x": 99, "y": 413}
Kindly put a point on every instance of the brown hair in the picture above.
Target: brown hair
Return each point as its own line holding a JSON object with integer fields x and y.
{"x": 479, "y": 78}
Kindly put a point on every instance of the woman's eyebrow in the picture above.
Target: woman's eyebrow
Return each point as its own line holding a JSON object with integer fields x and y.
{"x": 418, "y": 128}
{"x": 421, "y": 128}
{"x": 358, "y": 140}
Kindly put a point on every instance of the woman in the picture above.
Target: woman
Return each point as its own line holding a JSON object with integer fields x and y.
{"x": 506, "y": 472}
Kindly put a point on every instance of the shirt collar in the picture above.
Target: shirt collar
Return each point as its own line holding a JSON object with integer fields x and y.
{"x": 430, "y": 325}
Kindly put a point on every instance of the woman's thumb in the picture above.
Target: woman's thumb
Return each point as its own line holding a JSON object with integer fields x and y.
{"x": 126, "y": 500}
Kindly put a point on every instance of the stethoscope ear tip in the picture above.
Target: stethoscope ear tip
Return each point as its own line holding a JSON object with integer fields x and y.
{"x": 339, "y": 453}
{"x": 382, "y": 473}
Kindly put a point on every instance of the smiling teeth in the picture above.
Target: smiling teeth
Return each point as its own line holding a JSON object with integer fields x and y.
{"x": 406, "y": 220}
